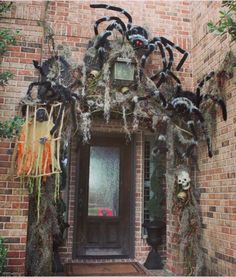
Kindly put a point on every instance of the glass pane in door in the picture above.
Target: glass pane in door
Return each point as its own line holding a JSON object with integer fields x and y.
{"x": 104, "y": 180}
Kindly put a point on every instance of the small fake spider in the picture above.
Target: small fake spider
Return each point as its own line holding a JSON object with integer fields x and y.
{"x": 50, "y": 91}
{"x": 137, "y": 36}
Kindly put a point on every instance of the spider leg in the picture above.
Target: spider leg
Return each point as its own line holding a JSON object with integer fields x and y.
{"x": 109, "y": 18}
{"x": 208, "y": 140}
{"x": 181, "y": 50}
{"x": 113, "y": 8}
{"x": 161, "y": 80}
{"x": 200, "y": 85}
{"x": 58, "y": 120}
{"x": 156, "y": 41}
{"x": 151, "y": 48}
{"x": 205, "y": 131}
{"x": 103, "y": 39}
{"x": 174, "y": 77}
{"x": 192, "y": 128}
{"x": 220, "y": 102}
{"x": 38, "y": 67}
{"x": 171, "y": 57}
{"x": 166, "y": 67}
{"x": 190, "y": 149}
{"x": 153, "y": 94}
{"x": 46, "y": 84}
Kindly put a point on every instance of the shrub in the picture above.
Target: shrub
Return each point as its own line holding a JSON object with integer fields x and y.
{"x": 3, "y": 256}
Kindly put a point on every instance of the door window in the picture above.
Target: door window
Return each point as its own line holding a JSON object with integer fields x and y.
{"x": 104, "y": 180}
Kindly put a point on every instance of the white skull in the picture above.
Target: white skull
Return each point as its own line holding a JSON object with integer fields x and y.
{"x": 184, "y": 179}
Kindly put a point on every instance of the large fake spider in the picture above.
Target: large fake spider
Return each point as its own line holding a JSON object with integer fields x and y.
{"x": 137, "y": 36}
{"x": 187, "y": 104}
{"x": 49, "y": 90}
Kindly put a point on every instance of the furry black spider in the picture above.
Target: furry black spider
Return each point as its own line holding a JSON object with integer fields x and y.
{"x": 138, "y": 38}
{"x": 51, "y": 91}
{"x": 187, "y": 104}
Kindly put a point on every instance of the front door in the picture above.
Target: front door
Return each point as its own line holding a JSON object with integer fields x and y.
{"x": 104, "y": 191}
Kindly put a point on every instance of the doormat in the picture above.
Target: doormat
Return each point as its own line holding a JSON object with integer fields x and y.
{"x": 105, "y": 269}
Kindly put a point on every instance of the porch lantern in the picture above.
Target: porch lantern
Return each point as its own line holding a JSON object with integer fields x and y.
{"x": 123, "y": 71}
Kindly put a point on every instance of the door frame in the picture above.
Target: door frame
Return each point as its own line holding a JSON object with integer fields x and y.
{"x": 132, "y": 200}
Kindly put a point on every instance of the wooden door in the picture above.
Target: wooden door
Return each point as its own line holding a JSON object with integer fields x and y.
{"x": 104, "y": 191}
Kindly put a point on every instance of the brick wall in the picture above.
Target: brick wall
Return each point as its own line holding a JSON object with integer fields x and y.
{"x": 13, "y": 212}
{"x": 217, "y": 175}
{"x": 72, "y": 23}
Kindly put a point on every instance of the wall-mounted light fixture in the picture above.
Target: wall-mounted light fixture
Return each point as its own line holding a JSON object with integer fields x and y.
{"x": 123, "y": 71}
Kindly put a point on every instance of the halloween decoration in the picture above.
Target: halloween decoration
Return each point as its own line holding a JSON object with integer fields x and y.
{"x": 50, "y": 91}
{"x": 37, "y": 150}
{"x": 182, "y": 196}
{"x": 188, "y": 104}
{"x": 123, "y": 71}
{"x": 189, "y": 223}
{"x": 113, "y": 82}
{"x": 184, "y": 180}
{"x": 49, "y": 118}
{"x": 149, "y": 102}
{"x": 39, "y": 165}
{"x": 137, "y": 36}
{"x": 36, "y": 146}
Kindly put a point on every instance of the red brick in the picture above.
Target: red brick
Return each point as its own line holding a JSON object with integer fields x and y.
{"x": 16, "y": 262}
{"x": 11, "y": 254}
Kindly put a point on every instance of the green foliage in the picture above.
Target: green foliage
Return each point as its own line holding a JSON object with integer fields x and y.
{"x": 4, "y": 77}
{"x": 11, "y": 127}
{"x": 227, "y": 22}
{"x": 5, "y": 7}
{"x": 3, "y": 256}
{"x": 7, "y": 37}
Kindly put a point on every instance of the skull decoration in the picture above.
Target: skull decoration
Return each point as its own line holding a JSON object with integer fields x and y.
{"x": 183, "y": 179}
{"x": 182, "y": 196}
{"x": 93, "y": 74}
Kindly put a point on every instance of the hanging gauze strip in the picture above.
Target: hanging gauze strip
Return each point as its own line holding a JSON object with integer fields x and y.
{"x": 37, "y": 150}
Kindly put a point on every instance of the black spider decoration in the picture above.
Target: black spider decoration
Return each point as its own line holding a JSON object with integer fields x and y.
{"x": 188, "y": 104}
{"x": 137, "y": 36}
{"x": 51, "y": 91}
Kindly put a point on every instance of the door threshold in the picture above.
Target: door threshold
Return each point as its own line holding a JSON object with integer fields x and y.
{"x": 98, "y": 260}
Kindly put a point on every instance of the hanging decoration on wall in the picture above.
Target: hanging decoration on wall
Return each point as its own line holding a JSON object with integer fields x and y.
{"x": 189, "y": 222}
{"x": 50, "y": 114}
{"x": 37, "y": 149}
